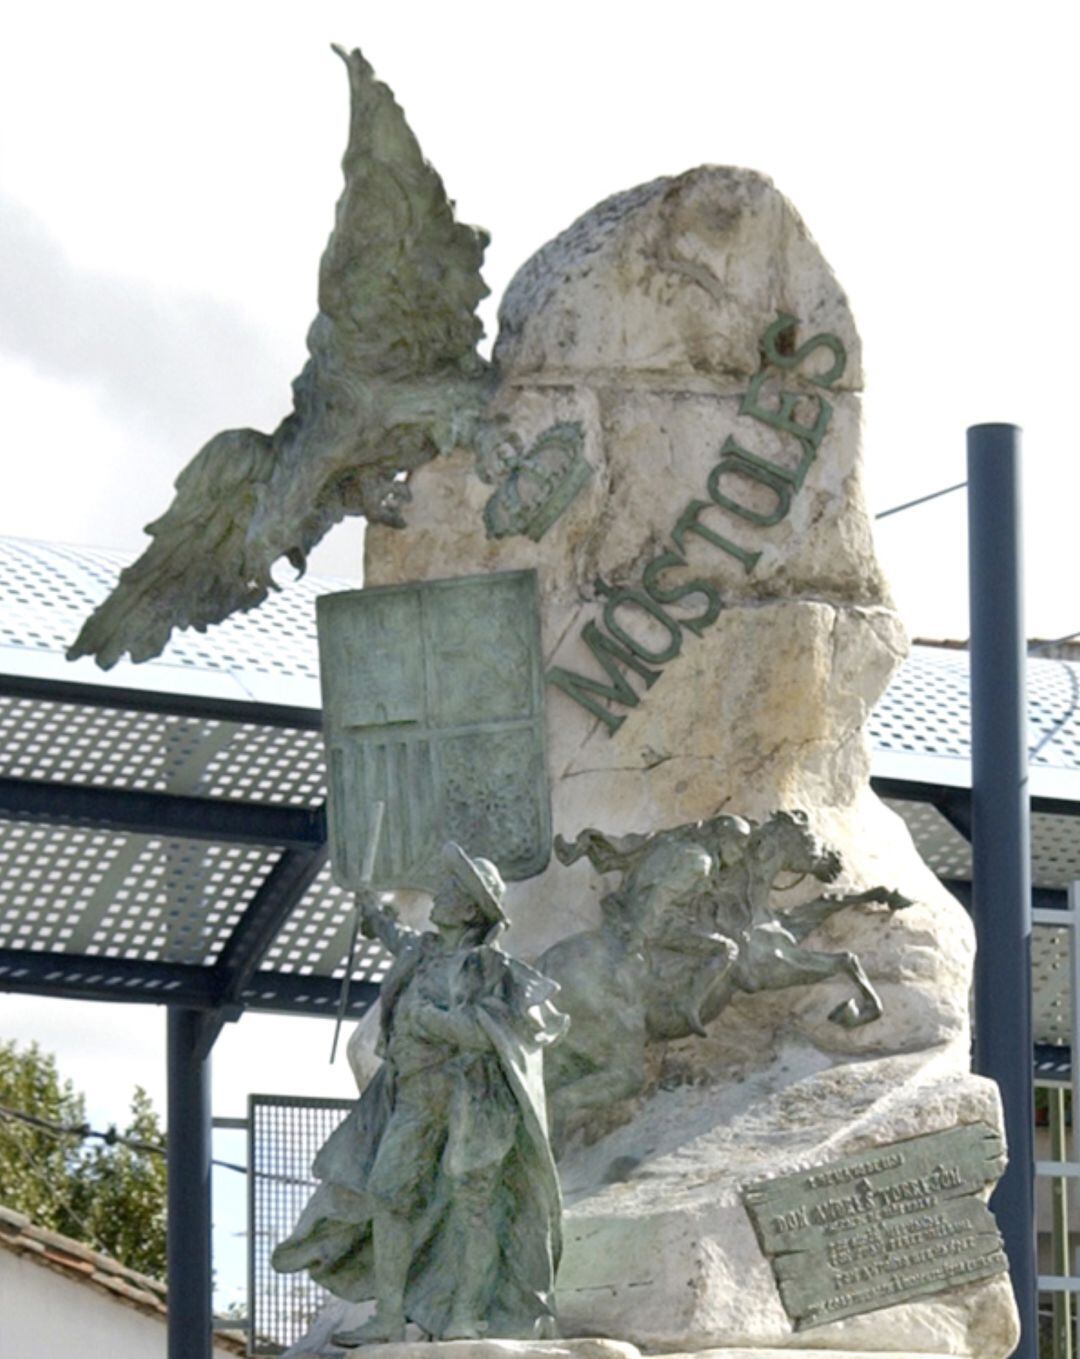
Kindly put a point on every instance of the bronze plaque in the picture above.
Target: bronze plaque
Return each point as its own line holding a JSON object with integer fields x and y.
{"x": 433, "y": 704}
{"x": 894, "y": 1222}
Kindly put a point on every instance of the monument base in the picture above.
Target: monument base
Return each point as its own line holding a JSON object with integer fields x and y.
{"x": 659, "y": 1246}
{"x": 813, "y": 1354}
{"x": 589, "y": 1349}
{"x": 810, "y": 1354}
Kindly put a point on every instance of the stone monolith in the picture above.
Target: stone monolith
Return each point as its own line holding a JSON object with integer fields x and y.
{"x": 673, "y": 445}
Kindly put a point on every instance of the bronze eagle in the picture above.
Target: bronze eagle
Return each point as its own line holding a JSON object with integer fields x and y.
{"x": 393, "y": 379}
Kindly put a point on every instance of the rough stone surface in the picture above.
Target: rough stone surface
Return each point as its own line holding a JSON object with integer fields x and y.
{"x": 811, "y": 1353}
{"x": 644, "y": 324}
{"x": 338, "y": 1315}
{"x": 664, "y": 1252}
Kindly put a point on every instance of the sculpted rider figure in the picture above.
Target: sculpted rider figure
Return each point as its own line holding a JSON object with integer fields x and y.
{"x": 439, "y": 1196}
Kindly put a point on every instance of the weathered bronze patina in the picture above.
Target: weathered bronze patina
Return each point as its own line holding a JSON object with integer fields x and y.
{"x": 888, "y": 1224}
{"x": 393, "y": 379}
{"x": 690, "y": 925}
{"x": 439, "y": 1196}
{"x": 433, "y": 702}
{"x": 534, "y": 486}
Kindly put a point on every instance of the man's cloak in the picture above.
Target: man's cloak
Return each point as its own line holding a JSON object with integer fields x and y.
{"x": 333, "y": 1237}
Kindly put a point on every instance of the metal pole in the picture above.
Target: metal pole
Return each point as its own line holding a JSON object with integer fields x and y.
{"x": 1001, "y": 843}
{"x": 190, "y": 1322}
{"x": 1059, "y": 1212}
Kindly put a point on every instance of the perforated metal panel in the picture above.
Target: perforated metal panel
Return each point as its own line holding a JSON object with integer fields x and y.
{"x": 1055, "y": 850}
{"x": 101, "y": 893}
{"x": 1054, "y": 712}
{"x": 1055, "y": 845}
{"x": 315, "y": 939}
{"x": 133, "y": 896}
{"x": 109, "y": 747}
{"x": 926, "y": 709}
{"x": 283, "y": 1136}
{"x": 49, "y": 589}
{"x": 1051, "y": 1012}
{"x": 267, "y": 764}
{"x": 939, "y": 843}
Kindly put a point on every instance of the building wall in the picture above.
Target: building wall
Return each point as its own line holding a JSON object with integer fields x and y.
{"x": 43, "y": 1312}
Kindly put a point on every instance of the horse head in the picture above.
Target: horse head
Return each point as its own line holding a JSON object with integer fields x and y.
{"x": 787, "y": 840}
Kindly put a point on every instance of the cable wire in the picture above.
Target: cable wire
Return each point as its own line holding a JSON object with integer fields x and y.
{"x": 1066, "y": 717}
{"x": 910, "y": 504}
{"x": 59, "y": 1201}
{"x": 83, "y": 1131}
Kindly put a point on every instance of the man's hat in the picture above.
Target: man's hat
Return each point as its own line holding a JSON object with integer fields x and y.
{"x": 480, "y": 878}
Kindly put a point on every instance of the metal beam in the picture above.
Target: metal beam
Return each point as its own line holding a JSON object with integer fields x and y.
{"x": 280, "y": 892}
{"x": 166, "y": 814}
{"x": 78, "y": 977}
{"x": 954, "y": 804}
{"x": 904, "y": 790}
{"x": 149, "y": 701}
{"x": 909, "y": 790}
{"x": 131, "y": 980}
{"x": 188, "y": 1217}
{"x": 290, "y": 993}
{"x": 1054, "y": 806}
{"x": 1042, "y": 898}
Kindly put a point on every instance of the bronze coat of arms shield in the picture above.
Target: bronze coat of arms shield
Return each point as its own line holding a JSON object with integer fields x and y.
{"x": 433, "y": 704}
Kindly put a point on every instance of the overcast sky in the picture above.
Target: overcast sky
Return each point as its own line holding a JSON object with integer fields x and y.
{"x": 168, "y": 177}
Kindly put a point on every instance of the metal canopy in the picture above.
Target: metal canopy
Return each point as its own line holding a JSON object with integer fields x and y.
{"x": 163, "y": 835}
{"x": 162, "y": 828}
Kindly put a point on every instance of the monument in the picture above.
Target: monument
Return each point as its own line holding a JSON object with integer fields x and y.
{"x": 621, "y": 599}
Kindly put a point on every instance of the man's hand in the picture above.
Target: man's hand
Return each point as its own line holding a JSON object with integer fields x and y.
{"x": 456, "y": 1027}
{"x": 373, "y": 911}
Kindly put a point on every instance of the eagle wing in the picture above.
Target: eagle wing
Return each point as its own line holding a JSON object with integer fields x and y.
{"x": 393, "y": 379}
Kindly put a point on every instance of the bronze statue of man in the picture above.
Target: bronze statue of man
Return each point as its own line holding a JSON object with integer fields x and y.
{"x": 439, "y": 1196}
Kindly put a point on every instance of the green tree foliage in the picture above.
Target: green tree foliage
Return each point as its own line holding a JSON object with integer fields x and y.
{"x": 109, "y": 1194}
{"x": 36, "y": 1166}
{"x": 119, "y": 1192}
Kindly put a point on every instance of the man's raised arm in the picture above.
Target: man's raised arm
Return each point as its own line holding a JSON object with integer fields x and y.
{"x": 378, "y": 920}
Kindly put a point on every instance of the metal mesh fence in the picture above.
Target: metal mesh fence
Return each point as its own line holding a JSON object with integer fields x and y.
{"x": 284, "y": 1133}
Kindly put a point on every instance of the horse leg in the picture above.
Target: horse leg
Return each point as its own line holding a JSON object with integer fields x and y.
{"x": 568, "y": 1104}
{"x": 850, "y": 1014}
{"x": 787, "y": 965}
{"x": 803, "y": 920}
{"x": 712, "y": 987}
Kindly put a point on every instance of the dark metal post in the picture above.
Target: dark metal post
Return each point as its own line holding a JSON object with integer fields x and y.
{"x": 1001, "y": 844}
{"x": 188, "y": 1230}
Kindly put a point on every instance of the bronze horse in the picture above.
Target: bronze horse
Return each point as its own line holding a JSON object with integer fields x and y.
{"x": 689, "y": 925}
